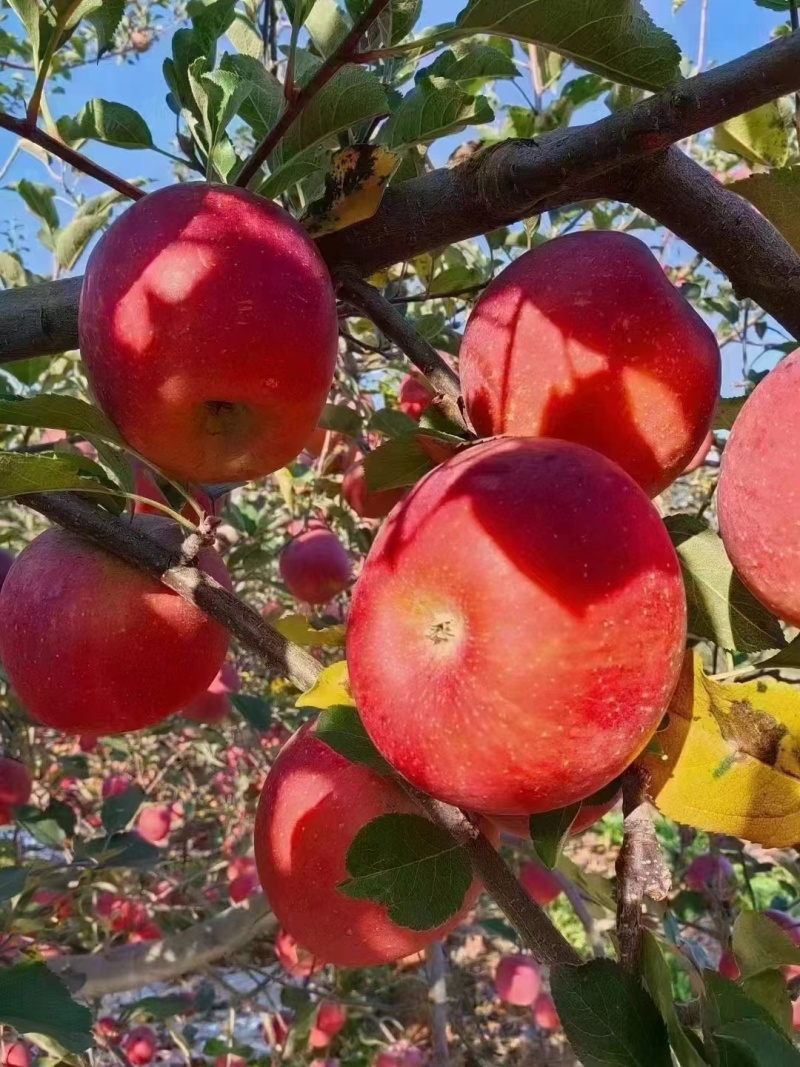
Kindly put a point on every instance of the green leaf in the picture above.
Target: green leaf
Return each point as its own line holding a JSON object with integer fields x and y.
{"x": 608, "y": 1018}
{"x": 64, "y": 815}
{"x": 12, "y": 271}
{"x": 726, "y": 1002}
{"x": 769, "y": 989}
{"x": 56, "y": 412}
{"x": 39, "y": 200}
{"x": 245, "y": 38}
{"x": 775, "y": 5}
{"x": 759, "y": 136}
{"x": 120, "y": 809}
{"x": 104, "y": 16}
{"x": 340, "y": 728}
{"x": 595, "y": 887}
{"x": 123, "y": 850}
{"x": 186, "y": 49}
{"x": 298, "y": 629}
{"x": 756, "y": 1044}
{"x": 404, "y": 460}
{"x": 265, "y": 101}
{"x": 28, "y": 12}
{"x": 403, "y": 16}
{"x": 470, "y": 62}
{"x": 615, "y": 38}
{"x": 549, "y": 831}
{"x": 114, "y": 124}
{"x": 12, "y": 881}
{"x": 34, "y": 1001}
{"x": 392, "y": 422}
{"x": 210, "y": 20}
{"x": 787, "y": 657}
{"x": 116, "y": 461}
{"x": 434, "y": 108}
{"x": 721, "y": 608}
{"x": 412, "y": 867}
{"x": 341, "y": 419}
{"x": 158, "y": 1008}
{"x": 254, "y": 709}
{"x": 759, "y": 944}
{"x": 41, "y": 825}
{"x": 71, "y": 242}
{"x": 656, "y": 975}
{"x": 301, "y": 166}
{"x": 324, "y": 21}
{"x": 226, "y": 92}
{"x": 777, "y": 197}
{"x": 728, "y": 407}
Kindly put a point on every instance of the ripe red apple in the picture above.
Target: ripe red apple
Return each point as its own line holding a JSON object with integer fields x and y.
{"x": 213, "y": 705}
{"x": 208, "y": 328}
{"x": 5, "y": 815}
{"x": 583, "y": 338}
{"x": 758, "y": 497}
{"x": 330, "y": 1019}
{"x": 59, "y": 906}
{"x": 272, "y": 610}
{"x": 154, "y": 823}
{"x": 54, "y": 437}
{"x": 230, "y": 1060}
{"x": 15, "y": 782}
{"x": 517, "y": 980}
{"x": 500, "y": 559}
{"x": 728, "y": 967}
{"x": 712, "y": 874}
{"x": 540, "y": 883}
{"x": 115, "y": 785}
{"x": 312, "y": 806}
{"x": 140, "y": 1045}
{"x": 700, "y": 456}
{"x": 796, "y": 1015}
{"x": 324, "y": 1063}
{"x": 416, "y": 394}
{"x": 401, "y": 1054}
{"x": 108, "y": 1029}
{"x": 519, "y": 825}
{"x": 94, "y": 645}
{"x": 6, "y": 559}
{"x": 369, "y": 505}
{"x": 243, "y": 886}
{"x": 148, "y": 931}
{"x": 315, "y": 566}
{"x": 544, "y": 1013}
{"x": 14, "y": 1054}
{"x": 294, "y": 959}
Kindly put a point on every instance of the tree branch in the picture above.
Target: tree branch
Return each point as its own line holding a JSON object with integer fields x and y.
{"x": 131, "y": 966}
{"x": 294, "y": 109}
{"x": 517, "y": 179}
{"x": 75, "y": 159}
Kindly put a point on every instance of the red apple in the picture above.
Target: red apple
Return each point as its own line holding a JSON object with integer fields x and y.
{"x": 272, "y": 610}
{"x": 369, "y": 505}
{"x": 242, "y": 887}
{"x": 519, "y": 825}
{"x": 213, "y": 705}
{"x": 700, "y": 456}
{"x": 108, "y": 1029}
{"x": 500, "y": 559}
{"x": 148, "y": 931}
{"x": 115, "y": 785}
{"x": 230, "y": 1060}
{"x": 14, "y": 1054}
{"x": 295, "y": 960}
{"x": 540, "y": 883}
{"x": 6, "y": 817}
{"x": 315, "y": 566}
{"x": 329, "y": 1021}
{"x": 758, "y": 497}
{"x": 95, "y": 645}
{"x": 712, "y": 874}
{"x": 154, "y": 823}
{"x": 544, "y": 1013}
{"x": 583, "y": 338}
{"x": 796, "y": 1015}
{"x": 728, "y": 967}
{"x": 140, "y": 1045}
{"x": 208, "y": 329}
{"x": 54, "y": 437}
{"x": 517, "y": 980}
{"x": 15, "y": 782}
{"x": 312, "y": 806}
{"x": 415, "y": 395}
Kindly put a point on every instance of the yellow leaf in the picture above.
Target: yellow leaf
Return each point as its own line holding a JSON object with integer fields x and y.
{"x": 732, "y": 758}
{"x": 296, "y": 628}
{"x": 329, "y": 689}
{"x": 285, "y": 483}
{"x": 353, "y": 189}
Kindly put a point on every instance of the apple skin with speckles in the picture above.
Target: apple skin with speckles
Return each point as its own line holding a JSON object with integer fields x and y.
{"x": 518, "y": 627}
{"x": 584, "y": 338}
{"x": 208, "y": 328}
{"x": 758, "y": 496}
{"x": 94, "y": 645}
{"x": 313, "y": 804}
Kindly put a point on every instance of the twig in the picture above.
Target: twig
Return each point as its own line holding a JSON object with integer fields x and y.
{"x": 437, "y": 995}
{"x": 75, "y": 159}
{"x": 641, "y": 870}
{"x": 420, "y": 298}
{"x": 794, "y": 19}
{"x": 343, "y": 55}
{"x": 399, "y": 330}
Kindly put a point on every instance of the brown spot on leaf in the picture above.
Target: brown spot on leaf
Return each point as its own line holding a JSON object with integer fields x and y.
{"x": 751, "y": 732}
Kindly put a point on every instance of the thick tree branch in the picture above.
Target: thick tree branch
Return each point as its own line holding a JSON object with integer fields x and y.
{"x": 517, "y": 179}
{"x": 333, "y": 64}
{"x": 132, "y": 966}
{"x": 31, "y": 132}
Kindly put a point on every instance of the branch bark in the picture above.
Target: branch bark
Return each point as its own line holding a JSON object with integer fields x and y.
{"x": 131, "y": 966}
{"x": 517, "y": 179}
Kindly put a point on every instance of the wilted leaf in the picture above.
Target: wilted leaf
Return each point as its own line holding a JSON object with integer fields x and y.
{"x": 720, "y": 607}
{"x": 411, "y": 866}
{"x": 608, "y": 1018}
{"x": 733, "y": 758}
{"x": 353, "y": 188}
{"x": 777, "y": 196}
{"x": 297, "y": 628}
{"x": 759, "y": 136}
{"x": 340, "y": 727}
{"x": 331, "y": 687}
{"x": 615, "y": 38}
{"x": 34, "y": 1001}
